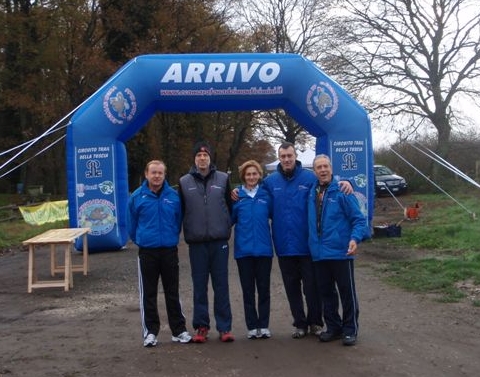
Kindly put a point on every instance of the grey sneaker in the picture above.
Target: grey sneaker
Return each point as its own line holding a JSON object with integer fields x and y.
{"x": 150, "y": 341}
{"x": 184, "y": 337}
{"x": 299, "y": 333}
{"x": 252, "y": 334}
{"x": 316, "y": 330}
{"x": 264, "y": 333}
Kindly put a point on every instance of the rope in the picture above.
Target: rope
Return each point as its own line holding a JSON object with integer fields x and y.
{"x": 437, "y": 186}
{"x": 447, "y": 165}
{"x": 24, "y": 162}
{"x": 33, "y": 141}
{"x": 27, "y": 142}
{"x": 394, "y": 197}
{"x": 52, "y": 128}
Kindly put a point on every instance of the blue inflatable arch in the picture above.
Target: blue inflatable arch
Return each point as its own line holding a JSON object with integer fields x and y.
{"x": 96, "y": 153}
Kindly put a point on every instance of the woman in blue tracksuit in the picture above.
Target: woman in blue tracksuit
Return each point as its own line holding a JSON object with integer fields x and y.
{"x": 253, "y": 248}
{"x": 336, "y": 226}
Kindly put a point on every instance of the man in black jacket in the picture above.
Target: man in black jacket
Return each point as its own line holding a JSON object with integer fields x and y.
{"x": 206, "y": 204}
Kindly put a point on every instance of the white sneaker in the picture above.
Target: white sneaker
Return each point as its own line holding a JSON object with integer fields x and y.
{"x": 252, "y": 334}
{"x": 264, "y": 333}
{"x": 184, "y": 337}
{"x": 150, "y": 341}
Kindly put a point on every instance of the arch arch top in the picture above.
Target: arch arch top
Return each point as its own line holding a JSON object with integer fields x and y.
{"x": 96, "y": 157}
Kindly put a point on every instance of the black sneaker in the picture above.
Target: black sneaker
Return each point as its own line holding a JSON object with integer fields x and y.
{"x": 349, "y": 340}
{"x": 326, "y": 336}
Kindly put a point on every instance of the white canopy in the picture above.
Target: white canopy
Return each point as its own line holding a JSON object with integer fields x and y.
{"x": 306, "y": 158}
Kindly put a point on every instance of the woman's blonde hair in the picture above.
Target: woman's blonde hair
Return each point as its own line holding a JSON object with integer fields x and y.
{"x": 242, "y": 168}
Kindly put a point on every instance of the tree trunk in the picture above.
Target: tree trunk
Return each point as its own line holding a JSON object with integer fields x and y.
{"x": 443, "y": 147}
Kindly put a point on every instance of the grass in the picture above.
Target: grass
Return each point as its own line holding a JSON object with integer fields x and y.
{"x": 445, "y": 230}
{"x": 444, "y": 224}
{"x": 441, "y": 276}
{"x": 13, "y": 232}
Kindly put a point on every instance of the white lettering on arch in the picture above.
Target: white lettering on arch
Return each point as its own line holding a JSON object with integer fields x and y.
{"x": 214, "y": 73}
{"x": 247, "y": 72}
{"x": 194, "y": 72}
{"x": 269, "y": 72}
{"x": 174, "y": 73}
{"x": 231, "y": 72}
{"x": 220, "y": 72}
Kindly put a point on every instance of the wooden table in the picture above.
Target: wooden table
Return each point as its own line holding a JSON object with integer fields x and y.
{"x": 53, "y": 238}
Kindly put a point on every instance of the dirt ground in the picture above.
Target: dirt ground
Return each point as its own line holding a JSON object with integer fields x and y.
{"x": 94, "y": 329}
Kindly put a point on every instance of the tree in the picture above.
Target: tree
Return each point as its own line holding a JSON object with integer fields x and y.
{"x": 284, "y": 26}
{"x": 412, "y": 61}
{"x": 54, "y": 54}
{"x": 19, "y": 39}
{"x": 126, "y": 24}
{"x": 181, "y": 27}
{"x": 50, "y": 62}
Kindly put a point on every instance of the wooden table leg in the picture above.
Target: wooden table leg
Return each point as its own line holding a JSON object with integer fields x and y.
{"x": 31, "y": 261}
{"x": 68, "y": 268}
{"x": 70, "y": 251}
{"x": 53, "y": 260}
{"x": 85, "y": 254}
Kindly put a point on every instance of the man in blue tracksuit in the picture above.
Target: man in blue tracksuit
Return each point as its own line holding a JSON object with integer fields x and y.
{"x": 336, "y": 227}
{"x": 289, "y": 187}
{"x": 154, "y": 223}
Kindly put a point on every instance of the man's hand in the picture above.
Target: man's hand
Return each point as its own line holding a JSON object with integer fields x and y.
{"x": 234, "y": 194}
{"x": 346, "y": 187}
{"x": 352, "y": 247}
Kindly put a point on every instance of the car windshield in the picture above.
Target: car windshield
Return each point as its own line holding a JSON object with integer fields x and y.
{"x": 382, "y": 170}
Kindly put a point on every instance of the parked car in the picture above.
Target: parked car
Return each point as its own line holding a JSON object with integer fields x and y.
{"x": 387, "y": 182}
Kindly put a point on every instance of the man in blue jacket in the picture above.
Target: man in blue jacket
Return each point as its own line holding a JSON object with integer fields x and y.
{"x": 154, "y": 223}
{"x": 336, "y": 226}
{"x": 289, "y": 187}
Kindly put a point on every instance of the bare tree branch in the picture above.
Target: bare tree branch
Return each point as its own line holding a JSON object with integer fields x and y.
{"x": 284, "y": 26}
{"x": 412, "y": 58}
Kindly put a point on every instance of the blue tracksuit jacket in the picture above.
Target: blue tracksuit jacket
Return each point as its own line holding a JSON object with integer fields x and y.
{"x": 251, "y": 217}
{"x": 154, "y": 221}
{"x": 341, "y": 221}
{"x": 290, "y": 220}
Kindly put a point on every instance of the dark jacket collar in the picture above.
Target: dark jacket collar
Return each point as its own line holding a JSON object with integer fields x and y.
{"x": 296, "y": 169}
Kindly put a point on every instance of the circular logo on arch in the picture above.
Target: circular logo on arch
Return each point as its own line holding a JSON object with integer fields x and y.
{"x": 119, "y": 106}
{"x": 362, "y": 201}
{"x": 98, "y": 215}
{"x": 322, "y": 100}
